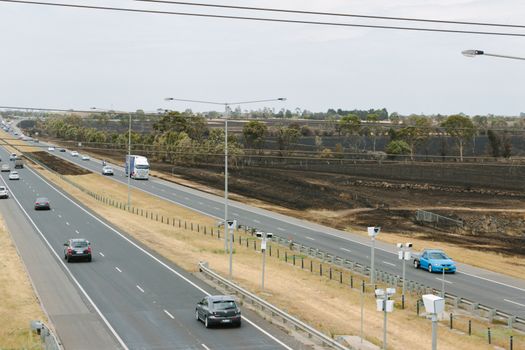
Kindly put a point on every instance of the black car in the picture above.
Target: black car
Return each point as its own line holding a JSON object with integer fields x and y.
{"x": 42, "y": 203}
{"x": 77, "y": 248}
{"x": 218, "y": 310}
{"x": 62, "y": 150}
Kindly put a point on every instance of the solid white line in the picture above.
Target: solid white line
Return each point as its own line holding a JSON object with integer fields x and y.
{"x": 389, "y": 263}
{"x": 142, "y": 290}
{"x": 205, "y": 347}
{"x": 112, "y": 330}
{"x": 442, "y": 280}
{"x": 151, "y": 256}
{"x": 489, "y": 280}
{"x": 513, "y": 302}
{"x": 119, "y": 270}
{"x": 101, "y": 254}
{"x": 310, "y": 238}
{"x": 167, "y": 313}
{"x": 346, "y": 250}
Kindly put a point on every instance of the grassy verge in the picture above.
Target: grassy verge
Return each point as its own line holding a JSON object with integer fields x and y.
{"x": 323, "y": 303}
{"x": 19, "y": 304}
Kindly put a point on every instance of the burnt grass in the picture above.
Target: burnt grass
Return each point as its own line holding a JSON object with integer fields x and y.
{"x": 304, "y": 194}
{"x": 57, "y": 164}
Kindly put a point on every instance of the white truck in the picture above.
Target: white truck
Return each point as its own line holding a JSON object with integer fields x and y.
{"x": 137, "y": 167}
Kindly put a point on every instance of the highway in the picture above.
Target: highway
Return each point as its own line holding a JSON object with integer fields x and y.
{"x": 144, "y": 301}
{"x": 482, "y": 286}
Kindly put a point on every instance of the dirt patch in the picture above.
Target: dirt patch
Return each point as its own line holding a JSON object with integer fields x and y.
{"x": 57, "y": 164}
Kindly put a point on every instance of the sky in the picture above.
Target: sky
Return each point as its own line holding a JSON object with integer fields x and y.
{"x": 74, "y": 58}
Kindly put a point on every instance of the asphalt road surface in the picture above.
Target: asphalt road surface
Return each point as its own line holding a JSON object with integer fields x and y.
{"x": 143, "y": 300}
{"x": 482, "y": 286}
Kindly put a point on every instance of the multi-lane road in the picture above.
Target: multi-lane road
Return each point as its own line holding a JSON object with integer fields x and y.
{"x": 140, "y": 300}
{"x": 482, "y": 286}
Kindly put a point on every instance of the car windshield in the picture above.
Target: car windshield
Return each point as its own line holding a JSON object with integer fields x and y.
{"x": 2, "y": 188}
{"x": 224, "y": 305}
{"x": 437, "y": 256}
{"x": 81, "y": 244}
{"x": 140, "y": 166}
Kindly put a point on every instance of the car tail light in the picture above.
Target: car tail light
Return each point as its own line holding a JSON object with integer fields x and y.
{"x": 89, "y": 250}
{"x": 69, "y": 250}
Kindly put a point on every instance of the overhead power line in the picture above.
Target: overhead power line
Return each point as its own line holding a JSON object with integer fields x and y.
{"x": 335, "y": 14}
{"x": 263, "y": 19}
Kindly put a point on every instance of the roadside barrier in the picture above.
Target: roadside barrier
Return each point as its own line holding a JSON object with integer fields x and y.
{"x": 48, "y": 339}
{"x": 265, "y": 306}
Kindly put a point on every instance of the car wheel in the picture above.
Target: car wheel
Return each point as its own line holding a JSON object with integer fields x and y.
{"x": 416, "y": 264}
{"x": 238, "y": 325}
{"x": 68, "y": 259}
{"x": 197, "y": 315}
{"x": 65, "y": 256}
{"x": 206, "y": 324}
{"x": 429, "y": 268}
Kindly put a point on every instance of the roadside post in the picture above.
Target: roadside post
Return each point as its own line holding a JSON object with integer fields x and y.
{"x": 231, "y": 224}
{"x": 434, "y": 306}
{"x": 404, "y": 254}
{"x": 383, "y": 303}
{"x": 373, "y": 231}
{"x": 263, "y": 236}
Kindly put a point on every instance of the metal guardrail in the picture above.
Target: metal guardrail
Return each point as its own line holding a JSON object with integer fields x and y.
{"x": 47, "y": 337}
{"x": 299, "y": 325}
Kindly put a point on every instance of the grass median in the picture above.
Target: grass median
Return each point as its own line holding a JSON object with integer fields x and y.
{"x": 326, "y": 304}
{"x": 19, "y": 304}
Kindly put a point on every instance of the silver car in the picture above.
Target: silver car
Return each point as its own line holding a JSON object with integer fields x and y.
{"x": 13, "y": 175}
{"x": 6, "y": 167}
{"x": 107, "y": 170}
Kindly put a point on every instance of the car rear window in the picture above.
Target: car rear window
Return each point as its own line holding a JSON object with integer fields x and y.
{"x": 224, "y": 304}
{"x": 79, "y": 244}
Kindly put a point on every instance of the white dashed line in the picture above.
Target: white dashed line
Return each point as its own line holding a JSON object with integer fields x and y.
{"x": 101, "y": 254}
{"x": 235, "y": 214}
{"x": 513, "y": 302}
{"x": 389, "y": 263}
{"x": 256, "y": 221}
{"x": 170, "y": 315}
{"x": 76, "y": 231}
{"x": 200, "y": 203}
{"x": 67, "y": 223}
{"x": 442, "y": 280}
{"x": 205, "y": 347}
{"x": 216, "y": 208}
{"x": 138, "y": 287}
{"x": 119, "y": 270}
{"x": 310, "y": 238}
{"x": 60, "y": 216}
{"x": 281, "y": 229}
{"x": 346, "y": 250}
{"x": 186, "y": 198}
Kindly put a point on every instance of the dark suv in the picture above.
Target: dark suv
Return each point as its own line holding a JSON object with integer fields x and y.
{"x": 77, "y": 248}
{"x": 218, "y": 310}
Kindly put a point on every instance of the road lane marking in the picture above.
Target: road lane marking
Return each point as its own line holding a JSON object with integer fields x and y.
{"x": 310, "y": 238}
{"x": 235, "y": 214}
{"x": 67, "y": 223}
{"x": 119, "y": 270}
{"x": 513, "y": 302}
{"x": 142, "y": 290}
{"x": 205, "y": 347}
{"x": 281, "y": 229}
{"x": 167, "y": 313}
{"x": 101, "y": 254}
{"x": 60, "y": 216}
{"x": 256, "y": 221}
{"x": 442, "y": 280}
{"x": 186, "y": 198}
{"x": 489, "y": 280}
{"x": 216, "y": 208}
{"x": 346, "y": 250}
{"x": 200, "y": 203}
{"x": 76, "y": 231}
{"x": 160, "y": 262}
{"x": 389, "y": 263}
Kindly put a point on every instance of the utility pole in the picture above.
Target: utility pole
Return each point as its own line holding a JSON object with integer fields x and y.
{"x": 373, "y": 231}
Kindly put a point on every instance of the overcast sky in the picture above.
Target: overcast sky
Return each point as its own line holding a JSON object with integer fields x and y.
{"x": 73, "y": 58}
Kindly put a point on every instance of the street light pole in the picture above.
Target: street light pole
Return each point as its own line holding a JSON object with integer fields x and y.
{"x": 128, "y": 162}
{"x": 227, "y": 235}
{"x": 474, "y": 53}
{"x": 373, "y": 231}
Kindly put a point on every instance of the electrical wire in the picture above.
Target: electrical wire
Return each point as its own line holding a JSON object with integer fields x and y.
{"x": 263, "y": 19}
{"x": 335, "y": 14}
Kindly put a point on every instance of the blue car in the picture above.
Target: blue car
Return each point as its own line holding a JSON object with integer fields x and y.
{"x": 435, "y": 260}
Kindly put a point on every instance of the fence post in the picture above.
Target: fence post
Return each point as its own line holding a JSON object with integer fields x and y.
{"x": 285, "y": 256}
{"x": 254, "y": 244}
{"x": 351, "y": 281}
{"x": 185, "y": 225}
{"x": 341, "y": 277}
{"x": 417, "y": 309}
{"x": 511, "y": 343}
{"x": 277, "y": 253}
{"x": 191, "y": 226}
{"x": 469, "y": 327}
{"x": 489, "y": 336}
{"x": 302, "y": 262}
{"x": 293, "y": 257}
{"x": 330, "y": 273}
{"x": 451, "y": 320}
{"x": 320, "y": 269}
{"x": 179, "y": 227}
{"x": 205, "y": 231}
{"x": 311, "y": 266}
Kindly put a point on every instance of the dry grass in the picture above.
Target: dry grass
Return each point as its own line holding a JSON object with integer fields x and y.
{"x": 327, "y": 305}
{"x": 19, "y": 305}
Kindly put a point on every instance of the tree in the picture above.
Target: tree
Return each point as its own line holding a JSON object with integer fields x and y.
{"x": 349, "y": 127}
{"x": 397, "y": 147}
{"x": 494, "y": 143}
{"x": 416, "y": 132}
{"x": 254, "y": 133}
{"x": 287, "y": 136}
{"x": 461, "y": 129}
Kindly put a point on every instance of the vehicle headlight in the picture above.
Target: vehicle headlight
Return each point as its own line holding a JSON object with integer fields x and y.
{"x": 436, "y": 264}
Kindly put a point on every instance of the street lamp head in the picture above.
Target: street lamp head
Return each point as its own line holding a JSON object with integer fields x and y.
{"x": 281, "y": 99}
{"x": 168, "y": 99}
{"x": 472, "y": 53}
